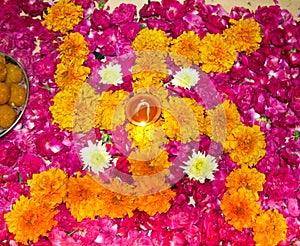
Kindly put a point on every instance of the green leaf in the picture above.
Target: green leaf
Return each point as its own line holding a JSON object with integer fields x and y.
{"x": 47, "y": 87}
{"x": 19, "y": 178}
{"x": 101, "y": 4}
{"x": 106, "y": 138}
{"x": 71, "y": 233}
{"x": 88, "y": 17}
{"x": 293, "y": 50}
{"x": 296, "y": 134}
{"x": 98, "y": 55}
{"x": 142, "y": 26}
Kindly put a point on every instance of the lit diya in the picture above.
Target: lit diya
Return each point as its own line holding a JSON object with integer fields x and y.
{"x": 143, "y": 109}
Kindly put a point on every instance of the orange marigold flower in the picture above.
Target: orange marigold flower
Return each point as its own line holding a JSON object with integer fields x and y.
{"x": 249, "y": 178}
{"x": 141, "y": 165}
{"x": 184, "y": 49}
{"x": 30, "y": 219}
{"x": 222, "y": 120}
{"x": 179, "y": 120}
{"x": 114, "y": 199}
{"x": 63, "y": 16}
{"x": 83, "y": 197}
{"x": 49, "y": 186}
{"x": 269, "y": 228}
{"x": 216, "y": 54}
{"x": 246, "y": 145}
{"x": 63, "y": 109}
{"x": 71, "y": 75}
{"x": 152, "y": 39}
{"x": 110, "y": 111}
{"x": 117, "y": 205}
{"x": 240, "y": 208}
{"x": 116, "y": 185}
{"x": 156, "y": 203}
{"x": 74, "y": 47}
{"x": 198, "y": 111}
{"x": 244, "y": 35}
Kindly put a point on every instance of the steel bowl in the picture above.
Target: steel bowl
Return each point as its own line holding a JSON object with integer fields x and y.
{"x": 25, "y": 83}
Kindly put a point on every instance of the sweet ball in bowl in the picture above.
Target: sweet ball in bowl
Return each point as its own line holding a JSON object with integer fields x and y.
{"x": 4, "y": 93}
{"x": 7, "y": 116}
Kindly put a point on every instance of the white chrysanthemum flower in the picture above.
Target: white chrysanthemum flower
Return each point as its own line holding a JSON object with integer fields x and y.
{"x": 95, "y": 157}
{"x": 186, "y": 78}
{"x": 200, "y": 167}
{"x": 111, "y": 74}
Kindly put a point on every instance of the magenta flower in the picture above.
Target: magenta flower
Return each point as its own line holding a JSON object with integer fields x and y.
{"x": 84, "y": 3}
{"x": 281, "y": 184}
{"x": 130, "y": 30}
{"x": 100, "y": 19}
{"x": 123, "y": 13}
{"x": 215, "y": 24}
{"x": 152, "y": 9}
{"x": 51, "y": 143}
{"x": 158, "y": 23}
{"x": 9, "y": 153}
{"x": 33, "y": 8}
{"x": 29, "y": 164}
{"x": 180, "y": 217}
{"x": 173, "y": 10}
{"x": 269, "y": 17}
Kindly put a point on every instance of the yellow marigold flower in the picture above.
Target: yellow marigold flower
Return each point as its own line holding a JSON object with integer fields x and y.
{"x": 170, "y": 126}
{"x": 144, "y": 137}
{"x": 83, "y": 197}
{"x": 156, "y": 203}
{"x": 179, "y": 117}
{"x": 110, "y": 111}
{"x": 184, "y": 49}
{"x": 71, "y": 75}
{"x": 150, "y": 69}
{"x": 147, "y": 79}
{"x": 240, "y": 208}
{"x": 30, "y": 219}
{"x": 244, "y": 35}
{"x": 74, "y": 47}
{"x": 144, "y": 166}
{"x": 63, "y": 16}
{"x": 152, "y": 39}
{"x": 160, "y": 92}
{"x": 249, "y": 178}
{"x": 63, "y": 109}
{"x": 222, "y": 120}
{"x": 270, "y": 228}
{"x": 117, "y": 186}
{"x": 216, "y": 54}
{"x": 151, "y": 184}
{"x": 85, "y": 109}
{"x": 198, "y": 111}
{"x": 246, "y": 145}
{"x": 49, "y": 186}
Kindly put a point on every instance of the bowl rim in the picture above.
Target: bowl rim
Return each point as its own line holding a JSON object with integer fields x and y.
{"x": 24, "y": 106}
